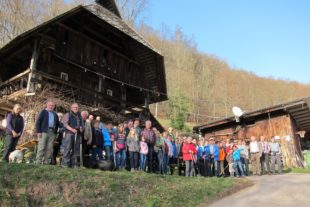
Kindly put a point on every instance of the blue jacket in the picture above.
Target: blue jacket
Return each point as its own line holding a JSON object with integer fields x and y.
{"x": 215, "y": 153}
{"x": 106, "y": 137}
{"x": 175, "y": 150}
{"x": 236, "y": 154}
{"x": 42, "y": 122}
{"x": 201, "y": 150}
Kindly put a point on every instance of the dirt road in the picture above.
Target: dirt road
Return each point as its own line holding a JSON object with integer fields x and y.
{"x": 291, "y": 190}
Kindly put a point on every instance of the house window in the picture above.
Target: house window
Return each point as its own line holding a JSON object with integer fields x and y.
{"x": 109, "y": 92}
{"x": 64, "y": 76}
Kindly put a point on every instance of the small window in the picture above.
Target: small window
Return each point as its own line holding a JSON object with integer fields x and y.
{"x": 64, "y": 76}
{"x": 109, "y": 92}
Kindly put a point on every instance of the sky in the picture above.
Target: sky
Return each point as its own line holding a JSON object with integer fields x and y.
{"x": 268, "y": 37}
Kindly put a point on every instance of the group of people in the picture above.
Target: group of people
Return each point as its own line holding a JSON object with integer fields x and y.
{"x": 129, "y": 146}
{"x": 231, "y": 157}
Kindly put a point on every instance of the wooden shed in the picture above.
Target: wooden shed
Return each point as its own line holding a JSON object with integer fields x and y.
{"x": 287, "y": 121}
{"x": 91, "y": 55}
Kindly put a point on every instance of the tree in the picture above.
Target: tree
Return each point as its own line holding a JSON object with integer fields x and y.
{"x": 132, "y": 10}
{"x": 179, "y": 106}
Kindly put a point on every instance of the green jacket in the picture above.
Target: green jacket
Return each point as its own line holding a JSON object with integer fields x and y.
{"x": 160, "y": 144}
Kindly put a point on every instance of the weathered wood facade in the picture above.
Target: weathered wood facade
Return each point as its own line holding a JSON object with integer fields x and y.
{"x": 91, "y": 55}
{"x": 283, "y": 121}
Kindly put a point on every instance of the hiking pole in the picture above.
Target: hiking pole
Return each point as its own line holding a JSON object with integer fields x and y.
{"x": 81, "y": 152}
{"x": 192, "y": 156}
{"x": 74, "y": 154}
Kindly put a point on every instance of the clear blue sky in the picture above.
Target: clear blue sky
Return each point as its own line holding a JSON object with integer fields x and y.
{"x": 269, "y": 37}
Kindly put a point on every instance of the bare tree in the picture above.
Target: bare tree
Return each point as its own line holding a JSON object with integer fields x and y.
{"x": 131, "y": 10}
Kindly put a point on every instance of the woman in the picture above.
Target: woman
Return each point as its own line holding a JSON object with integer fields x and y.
{"x": 120, "y": 147}
{"x": 189, "y": 151}
{"x": 133, "y": 148}
{"x": 14, "y": 129}
{"x": 159, "y": 149}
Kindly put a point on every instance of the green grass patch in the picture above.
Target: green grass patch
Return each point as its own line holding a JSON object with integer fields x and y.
{"x": 297, "y": 170}
{"x": 32, "y": 185}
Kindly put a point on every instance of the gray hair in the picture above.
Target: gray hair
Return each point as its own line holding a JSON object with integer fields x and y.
{"x": 85, "y": 112}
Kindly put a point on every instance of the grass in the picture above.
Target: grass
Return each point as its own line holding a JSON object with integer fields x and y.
{"x": 31, "y": 185}
{"x": 166, "y": 123}
{"x": 297, "y": 170}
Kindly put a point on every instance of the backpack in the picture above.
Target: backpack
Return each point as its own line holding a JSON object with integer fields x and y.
{"x": 120, "y": 142}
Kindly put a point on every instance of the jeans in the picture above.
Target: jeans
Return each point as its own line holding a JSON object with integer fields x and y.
{"x": 165, "y": 163}
{"x": 10, "y": 145}
{"x": 245, "y": 164}
{"x": 150, "y": 157}
{"x": 213, "y": 167}
{"x": 142, "y": 161}
{"x": 134, "y": 156}
{"x": 160, "y": 159}
{"x": 108, "y": 152}
{"x": 121, "y": 159}
{"x": 45, "y": 147}
{"x": 71, "y": 154}
{"x": 189, "y": 168}
{"x": 96, "y": 151}
{"x": 238, "y": 166}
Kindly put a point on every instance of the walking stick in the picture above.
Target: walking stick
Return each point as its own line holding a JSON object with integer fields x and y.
{"x": 192, "y": 156}
{"x": 81, "y": 152}
{"x": 75, "y": 156}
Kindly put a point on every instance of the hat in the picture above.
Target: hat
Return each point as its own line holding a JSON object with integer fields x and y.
{"x": 211, "y": 138}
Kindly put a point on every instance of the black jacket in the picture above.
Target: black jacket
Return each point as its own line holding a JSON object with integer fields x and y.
{"x": 42, "y": 122}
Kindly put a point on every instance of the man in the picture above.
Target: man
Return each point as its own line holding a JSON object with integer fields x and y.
{"x": 14, "y": 129}
{"x": 101, "y": 125}
{"x": 265, "y": 156}
{"x": 46, "y": 127}
{"x": 255, "y": 153}
{"x": 244, "y": 156}
{"x": 275, "y": 151}
{"x": 136, "y": 125}
{"x": 88, "y": 132}
{"x": 128, "y": 126}
{"x": 213, "y": 151}
{"x": 108, "y": 140}
{"x": 58, "y": 139}
{"x": 74, "y": 127}
{"x": 150, "y": 139}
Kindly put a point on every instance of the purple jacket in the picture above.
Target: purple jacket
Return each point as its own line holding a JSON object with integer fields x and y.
{"x": 14, "y": 122}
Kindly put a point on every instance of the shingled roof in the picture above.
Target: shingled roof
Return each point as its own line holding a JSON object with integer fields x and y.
{"x": 147, "y": 55}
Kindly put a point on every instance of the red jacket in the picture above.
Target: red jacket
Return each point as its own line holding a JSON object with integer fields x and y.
{"x": 185, "y": 150}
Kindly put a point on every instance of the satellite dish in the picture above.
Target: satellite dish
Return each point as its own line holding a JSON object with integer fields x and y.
{"x": 237, "y": 112}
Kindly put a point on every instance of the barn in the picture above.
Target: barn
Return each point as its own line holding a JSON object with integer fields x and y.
{"x": 288, "y": 122}
{"x": 90, "y": 55}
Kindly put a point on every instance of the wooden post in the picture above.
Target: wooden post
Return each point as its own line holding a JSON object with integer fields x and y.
{"x": 123, "y": 96}
{"x": 146, "y": 104}
{"x": 33, "y": 65}
{"x": 156, "y": 110}
{"x": 100, "y": 85}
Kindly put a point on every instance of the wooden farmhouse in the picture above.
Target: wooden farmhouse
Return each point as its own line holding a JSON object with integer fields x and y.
{"x": 89, "y": 54}
{"x": 289, "y": 123}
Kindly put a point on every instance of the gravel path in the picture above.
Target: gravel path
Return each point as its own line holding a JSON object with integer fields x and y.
{"x": 291, "y": 190}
